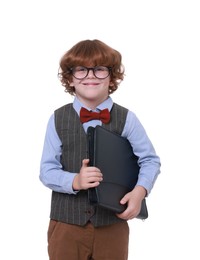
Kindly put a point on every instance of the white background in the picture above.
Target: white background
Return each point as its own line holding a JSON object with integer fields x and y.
{"x": 159, "y": 41}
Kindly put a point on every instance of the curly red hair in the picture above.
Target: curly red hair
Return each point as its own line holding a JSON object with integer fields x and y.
{"x": 91, "y": 53}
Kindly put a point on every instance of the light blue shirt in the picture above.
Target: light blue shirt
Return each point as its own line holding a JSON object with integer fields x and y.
{"x": 52, "y": 175}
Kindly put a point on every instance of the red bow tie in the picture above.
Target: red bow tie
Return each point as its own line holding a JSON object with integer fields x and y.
{"x": 86, "y": 115}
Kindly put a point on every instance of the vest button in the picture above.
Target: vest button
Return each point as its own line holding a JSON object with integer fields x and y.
{"x": 88, "y": 212}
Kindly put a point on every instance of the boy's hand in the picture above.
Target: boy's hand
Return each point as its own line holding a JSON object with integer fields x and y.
{"x": 88, "y": 177}
{"x": 133, "y": 200}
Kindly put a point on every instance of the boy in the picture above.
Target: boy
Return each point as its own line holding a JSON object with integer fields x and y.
{"x": 91, "y": 71}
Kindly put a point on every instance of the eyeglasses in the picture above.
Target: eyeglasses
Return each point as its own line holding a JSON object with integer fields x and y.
{"x": 99, "y": 72}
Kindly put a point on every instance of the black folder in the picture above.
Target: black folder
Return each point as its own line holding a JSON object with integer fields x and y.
{"x": 113, "y": 155}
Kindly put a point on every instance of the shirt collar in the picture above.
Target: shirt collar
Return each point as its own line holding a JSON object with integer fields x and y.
{"x": 108, "y": 103}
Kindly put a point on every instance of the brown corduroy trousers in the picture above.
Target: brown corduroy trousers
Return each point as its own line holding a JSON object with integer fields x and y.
{"x": 72, "y": 242}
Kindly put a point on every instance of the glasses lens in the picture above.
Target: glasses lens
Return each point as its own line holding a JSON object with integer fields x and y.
{"x": 100, "y": 72}
{"x": 79, "y": 72}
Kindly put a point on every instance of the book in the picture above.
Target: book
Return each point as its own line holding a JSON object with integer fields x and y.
{"x": 113, "y": 155}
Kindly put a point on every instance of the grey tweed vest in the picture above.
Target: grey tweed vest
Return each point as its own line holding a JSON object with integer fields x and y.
{"x": 70, "y": 208}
